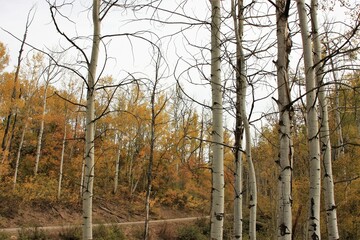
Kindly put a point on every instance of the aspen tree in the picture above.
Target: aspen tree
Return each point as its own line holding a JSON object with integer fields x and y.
{"x": 285, "y": 161}
{"x": 331, "y": 217}
{"x": 11, "y": 119}
{"x": 252, "y": 175}
{"x": 217, "y": 162}
{"x": 18, "y": 155}
{"x": 340, "y": 150}
{"x": 87, "y": 193}
{"x": 154, "y": 114}
{"x": 50, "y": 72}
{"x": 63, "y": 145}
{"x": 312, "y": 127}
{"x": 238, "y": 19}
{"x": 117, "y": 162}
{"x": 41, "y": 132}
{"x": 242, "y": 119}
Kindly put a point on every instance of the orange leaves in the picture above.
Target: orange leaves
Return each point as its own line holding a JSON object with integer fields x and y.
{"x": 180, "y": 172}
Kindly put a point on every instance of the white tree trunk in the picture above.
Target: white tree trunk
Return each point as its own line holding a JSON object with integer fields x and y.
{"x": 18, "y": 155}
{"x": 117, "y": 165}
{"x": 41, "y": 131}
{"x": 285, "y": 161}
{"x": 82, "y": 176}
{"x": 312, "y": 127}
{"x": 62, "y": 160}
{"x": 330, "y": 206}
{"x": 90, "y": 127}
{"x": 217, "y": 193}
{"x": 238, "y": 19}
{"x": 252, "y": 174}
{"x": 241, "y": 95}
{"x": 340, "y": 140}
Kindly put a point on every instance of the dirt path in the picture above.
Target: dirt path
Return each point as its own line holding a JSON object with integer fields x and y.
{"x": 52, "y": 229}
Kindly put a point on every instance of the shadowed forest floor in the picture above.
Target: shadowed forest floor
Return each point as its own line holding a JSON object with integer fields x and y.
{"x": 41, "y": 213}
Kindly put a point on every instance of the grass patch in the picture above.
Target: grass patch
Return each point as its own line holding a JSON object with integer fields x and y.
{"x": 112, "y": 232}
{"x": 32, "y": 234}
{"x": 70, "y": 234}
{"x": 4, "y": 236}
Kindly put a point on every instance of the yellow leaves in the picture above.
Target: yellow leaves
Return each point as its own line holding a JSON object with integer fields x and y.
{"x": 180, "y": 199}
{"x": 33, "y": 68}
{"x": 38, "y": 188}
{"x": 4, "y": 57}
{"x": 6, "y": 94}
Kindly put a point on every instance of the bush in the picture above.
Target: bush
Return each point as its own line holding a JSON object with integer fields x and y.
{"x": 166, "y": 232}
{"x": 108, "y": 233}
{"x": 70, "y": 234}
{"x": 9, "y": 207}
{"x": 204, "y": 225}
{"x": 4, "y": 236}
{"x": 32, "y": 234}
{"x": 191, "y": 232}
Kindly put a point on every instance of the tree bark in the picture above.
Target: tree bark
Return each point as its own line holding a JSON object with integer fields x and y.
{"x": 18, "y": 155}
{"x": 6, "y": 141}
{"x": 238, "y": 20}
{"x": 150, "y": 165}
{"x": 325, "y": 143}
{"x": 241, "y": 88}
{"x": 41, "y": 131}
{"x": 62, "y": 158}
{"x": 217, "y": 193}
{"x": 252, "y": 174}
{"x": 340, "y": 150}
{"x": 9, "y": 133}
{"x": 312, "y": 127}
{"x": 285, "y": 161}
{"x": 87, "y": 194}
{"x": 154, "y": 114}
{"x": 117, "y": 164}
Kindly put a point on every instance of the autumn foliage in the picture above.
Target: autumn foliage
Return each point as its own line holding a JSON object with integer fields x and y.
{"x": 181, "y": 173}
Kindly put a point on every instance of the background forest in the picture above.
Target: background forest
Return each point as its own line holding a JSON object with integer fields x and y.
{"x": 154, "y": 124}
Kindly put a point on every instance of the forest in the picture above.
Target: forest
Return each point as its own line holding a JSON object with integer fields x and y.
{"x": 242, "y": 113}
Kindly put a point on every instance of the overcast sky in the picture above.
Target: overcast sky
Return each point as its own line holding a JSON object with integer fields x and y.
{"x": 131, "y": 55}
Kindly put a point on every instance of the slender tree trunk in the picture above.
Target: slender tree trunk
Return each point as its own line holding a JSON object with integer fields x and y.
{"x": 285, "y": 161}
{"x": 154, "y": 115}
{"x": 117, "y": 164}
{"x": 82, "y": 187}
{"x": 340, "y": 150}
{"x": 238, "y": 19}
{"x": 18, "y": 155}
{"x": 217, "y": 193}
{"x": 11, "y": 122}
{"x": 201, "y": 143}
{"x": 149, "y": 170}
{"x": 62, "y": 159}
{"x": 312, "y": 125}
{"x": 90, "y": 126}
{"x": 41, "y": 131}
{"x": 252, "y": 174}
{"x": 75, "y": 137}
{"x": 6, "y": 152}
{"x": 330, "y": 206}
{"x": 6, "y": 142}
{"x": 241, "y": 87}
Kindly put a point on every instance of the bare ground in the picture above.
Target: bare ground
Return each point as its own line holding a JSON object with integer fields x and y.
{"x": 54, "y": 217}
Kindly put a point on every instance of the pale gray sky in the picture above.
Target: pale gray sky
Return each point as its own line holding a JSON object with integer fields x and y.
{"x": 128, "y": 56}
